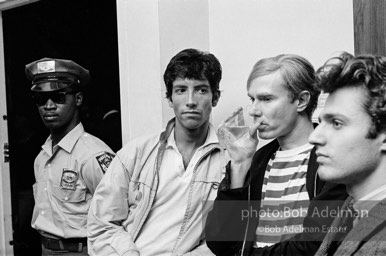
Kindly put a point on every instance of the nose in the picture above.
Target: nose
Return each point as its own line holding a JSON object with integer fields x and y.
{"x": 49, "y": 104}
{"x": 254, "y": 111}
{"x": 317, "y": 137}
{"x": 191, "y": 99}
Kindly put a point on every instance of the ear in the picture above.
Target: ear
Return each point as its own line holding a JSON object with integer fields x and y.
{"x": 383, "y": 145}
{"x": 214, "y": 102}
{"x": 79, "y": 99}
{"x": 215, "y": 99}
{"x": 170, "y": 102}
{"x": 304, "y": 99}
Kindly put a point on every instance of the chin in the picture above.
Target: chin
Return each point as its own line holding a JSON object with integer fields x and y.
{"x": 266, "y": 136}
{"x": 329, "y": 174}
{"x": 51, "y": 126}
{"x": 191, "y": 126}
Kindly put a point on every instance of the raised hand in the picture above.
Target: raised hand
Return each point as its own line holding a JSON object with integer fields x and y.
{"x": 240, "y": 141}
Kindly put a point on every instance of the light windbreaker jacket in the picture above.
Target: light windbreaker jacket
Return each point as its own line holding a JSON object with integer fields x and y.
{"x": 126, "y": 193}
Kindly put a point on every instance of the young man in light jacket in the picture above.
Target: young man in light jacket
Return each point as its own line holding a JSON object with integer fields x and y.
{"x": 156, "y": 194}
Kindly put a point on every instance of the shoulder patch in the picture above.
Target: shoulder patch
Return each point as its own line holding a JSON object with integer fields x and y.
{"x": 104, "y": 160}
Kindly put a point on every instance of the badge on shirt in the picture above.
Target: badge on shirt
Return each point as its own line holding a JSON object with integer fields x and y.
{"x": 104, "y": 160}
{"x": 69, "y": 179}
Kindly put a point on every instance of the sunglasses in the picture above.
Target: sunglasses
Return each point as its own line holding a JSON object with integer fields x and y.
{"x": 41, "y": 99}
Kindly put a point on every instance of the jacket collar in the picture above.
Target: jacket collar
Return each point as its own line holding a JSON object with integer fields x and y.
{"x": 169, "y": 128}
{"x": 366, "y": 225}
{"x": 210, "y": 139}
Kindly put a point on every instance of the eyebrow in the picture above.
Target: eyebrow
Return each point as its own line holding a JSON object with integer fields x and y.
{"x": 195, "y": 86}
{"x": 263, "y": 94}
{"x": 330, "y": 116}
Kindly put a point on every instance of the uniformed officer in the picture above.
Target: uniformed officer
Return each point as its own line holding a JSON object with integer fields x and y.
{"x": 71, "y": 162}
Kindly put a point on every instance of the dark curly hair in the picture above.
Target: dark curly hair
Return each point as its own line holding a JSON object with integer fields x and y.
{"x": 364, "y": 71}
{"x": 194, "y": 64}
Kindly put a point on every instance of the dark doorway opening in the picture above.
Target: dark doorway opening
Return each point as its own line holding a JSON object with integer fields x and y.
{"x": 84, "y": 31}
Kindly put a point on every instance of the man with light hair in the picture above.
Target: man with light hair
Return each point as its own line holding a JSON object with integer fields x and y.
{"x": 280, "y": 180}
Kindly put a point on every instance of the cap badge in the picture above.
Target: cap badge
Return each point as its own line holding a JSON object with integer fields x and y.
{"x": 46, "y": 66}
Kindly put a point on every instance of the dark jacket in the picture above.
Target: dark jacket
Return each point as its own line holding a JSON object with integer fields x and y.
{"x": 367, "y": 237}
{"x": 226, "y": 230}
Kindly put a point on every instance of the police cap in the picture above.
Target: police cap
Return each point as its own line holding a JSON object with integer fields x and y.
{"x": 54, "y": 74}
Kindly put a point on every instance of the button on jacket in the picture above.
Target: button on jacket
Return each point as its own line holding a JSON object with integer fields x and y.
{"x": 126, "y": 194}
{"x": 66, "y": 178}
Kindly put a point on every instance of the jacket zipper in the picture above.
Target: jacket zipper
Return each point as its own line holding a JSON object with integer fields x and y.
{"x": 190, "y": 188}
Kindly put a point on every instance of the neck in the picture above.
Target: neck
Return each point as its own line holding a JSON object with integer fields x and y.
{"x": 368, "y": 182}
{"x": 190, "y": 139}
{"x": 58, "y": 134}
{"x": 298, "y": 136}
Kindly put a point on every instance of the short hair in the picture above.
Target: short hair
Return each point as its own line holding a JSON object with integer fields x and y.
{"x": 298, "y": 75}
{"x": 363, "y": 71}
{"x": 194, "y": 64}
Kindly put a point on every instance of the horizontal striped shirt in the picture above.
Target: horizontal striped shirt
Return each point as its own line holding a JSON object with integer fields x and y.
{"x": 284, "y": 202}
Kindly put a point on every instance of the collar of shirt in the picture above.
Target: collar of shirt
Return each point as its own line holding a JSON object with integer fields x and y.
{"x": 367, "y": 202}
{"x": 294, "y": 151}
{"x": 211, "y": 138}
{"x": 67, "y": 143}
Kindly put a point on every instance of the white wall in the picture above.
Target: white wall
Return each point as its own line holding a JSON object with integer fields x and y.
{"x": 150, "y": 33}
{"x": 243, "y": 31}
{"x": 180, "y": 28}
{"x": 238, "y": 32}
{"x": 139, "y": 67}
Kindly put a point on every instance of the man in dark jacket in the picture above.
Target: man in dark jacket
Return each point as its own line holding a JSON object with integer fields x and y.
{"x": 270, "y": 200}
{"x": 350, "y": 146}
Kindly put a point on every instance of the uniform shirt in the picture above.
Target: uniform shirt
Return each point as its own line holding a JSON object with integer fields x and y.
{"x": 284, "y": 196}
{"x": 163, "y": 225}
{"x": 66, "y": 178}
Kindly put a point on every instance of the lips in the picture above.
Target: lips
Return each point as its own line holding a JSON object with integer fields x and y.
{"x": 317, "y": 153}
{"x": 320, "y": 158}
{"x": 50, "y": 116}
{"x": 258, "y": 120}
{"x": 191, "y": 113}
{"x": 262, "y": 126}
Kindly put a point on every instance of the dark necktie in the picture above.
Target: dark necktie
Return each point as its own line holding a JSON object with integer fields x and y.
{"x": 348, "y": 217}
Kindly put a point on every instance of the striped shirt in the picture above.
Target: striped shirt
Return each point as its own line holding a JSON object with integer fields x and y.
{"x": 284, "y": 202}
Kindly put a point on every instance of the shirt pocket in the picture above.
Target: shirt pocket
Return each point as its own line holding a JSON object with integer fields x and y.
{"x": 73, "y": 205}
{"x": 69, "y": 196}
